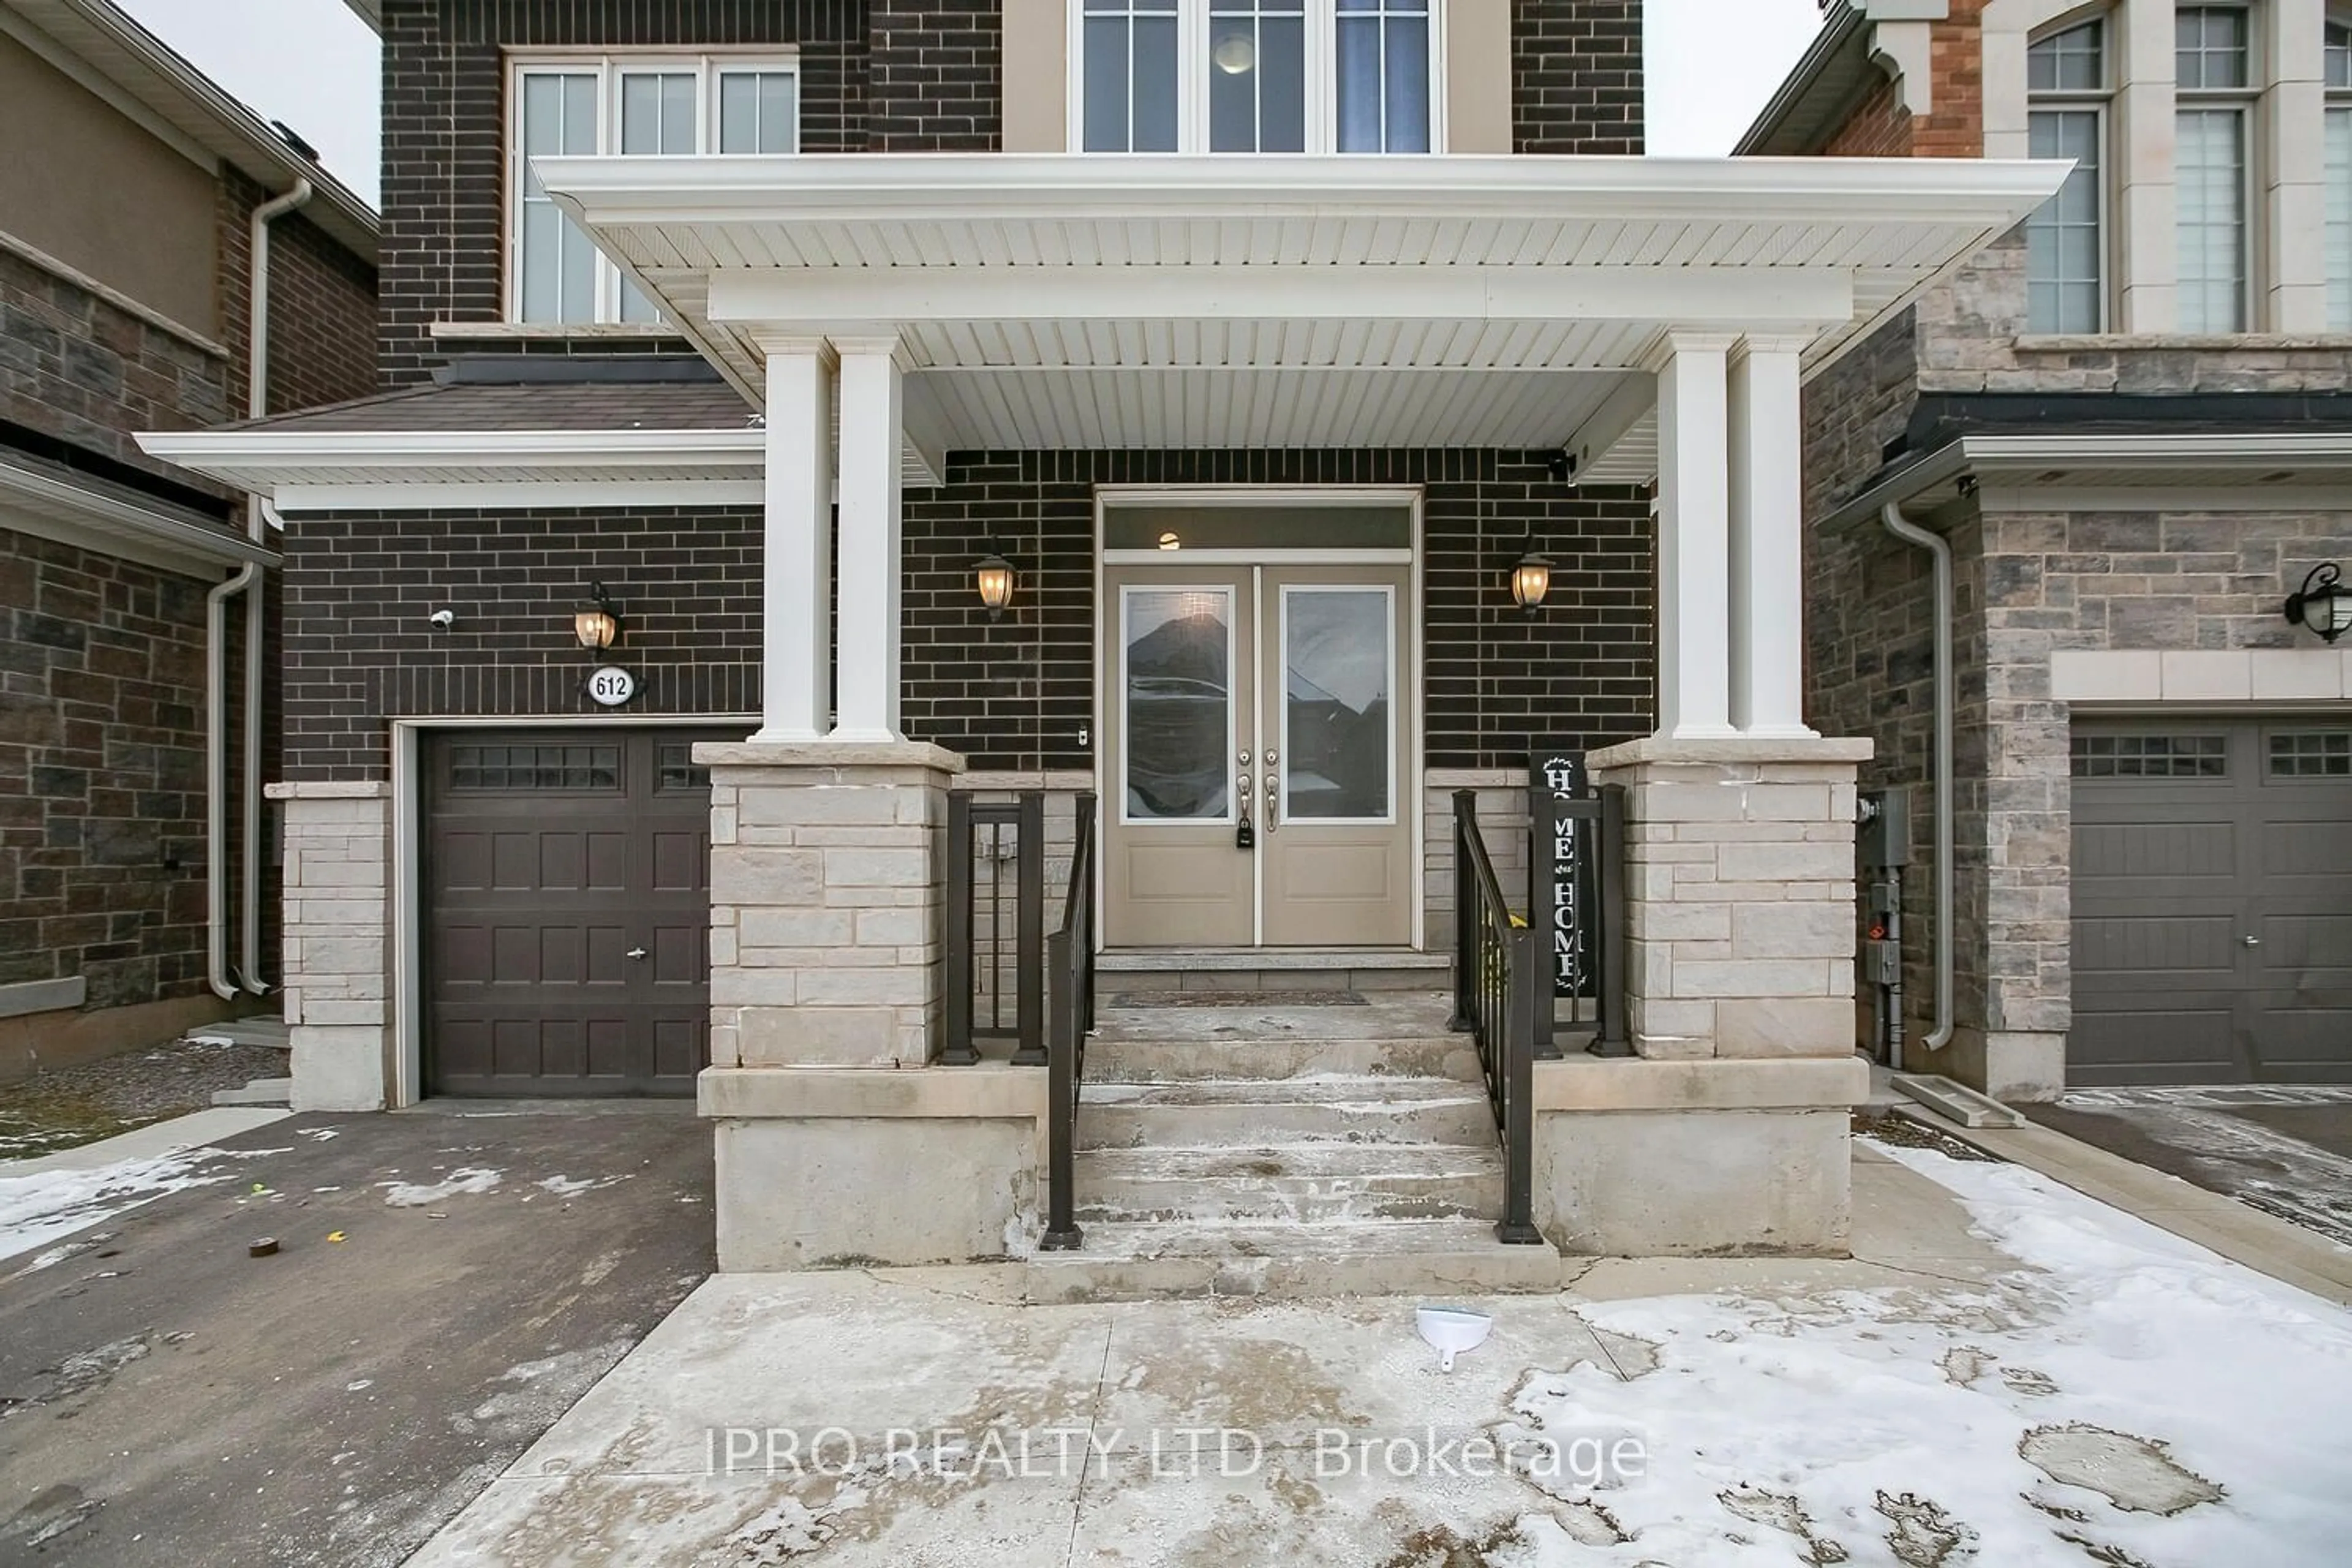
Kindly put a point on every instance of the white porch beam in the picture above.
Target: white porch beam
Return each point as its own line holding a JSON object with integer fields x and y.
{"x": 873, "y": 392}
{"x": 1694, "y": 526}
{"x": 1767, "y": 555}
{"x": 839, "y": 300}
{"x": 1628, "y": 405}
{"x": 796, "y": 610}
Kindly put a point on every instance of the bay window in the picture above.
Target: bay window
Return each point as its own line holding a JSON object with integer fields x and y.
{"x": 632, "y": 106}
{"x": 1255, "y": 75}
{"x": 2214, "y": 84}
{"x": 2065, "y": 241}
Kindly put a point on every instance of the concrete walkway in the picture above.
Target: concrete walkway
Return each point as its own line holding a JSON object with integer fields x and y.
{"x": 2004, "y": 1373}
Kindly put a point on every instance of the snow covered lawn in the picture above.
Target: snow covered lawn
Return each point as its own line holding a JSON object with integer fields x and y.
{"x": 48, "y": 1206}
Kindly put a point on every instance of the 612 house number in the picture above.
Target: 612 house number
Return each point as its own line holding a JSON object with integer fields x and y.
{"x": 612, "y": 686}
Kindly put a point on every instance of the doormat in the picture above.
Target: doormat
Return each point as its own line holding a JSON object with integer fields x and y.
{"x": 1237, "y": 999}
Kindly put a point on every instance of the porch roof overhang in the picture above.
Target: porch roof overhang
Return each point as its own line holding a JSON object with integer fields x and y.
{"x": 1049, "y": 302}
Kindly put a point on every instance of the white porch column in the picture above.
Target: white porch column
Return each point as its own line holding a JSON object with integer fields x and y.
{"x": 796, "y": 631}
{"x": 1694, "y": 523}
{"x": 872, "y": 385}
{"x": 1767, "y": 557}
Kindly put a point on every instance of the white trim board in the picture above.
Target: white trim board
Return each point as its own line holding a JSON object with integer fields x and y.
{"x": 2315, "y": 674}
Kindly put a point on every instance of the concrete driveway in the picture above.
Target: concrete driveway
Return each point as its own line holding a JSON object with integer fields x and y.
{"x": 2285, "y": 1148}
{"x": 166, "y": 1398}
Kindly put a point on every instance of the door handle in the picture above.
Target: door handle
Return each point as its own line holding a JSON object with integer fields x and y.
{"x": 2253, "y": 941}
{"x": 636, "y": 953}
{"x": 1272, "y": 802}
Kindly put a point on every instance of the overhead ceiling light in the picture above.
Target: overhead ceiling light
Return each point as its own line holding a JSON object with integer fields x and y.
{"x": 1235, "y": 54}
{"x": 1169, "y": 541}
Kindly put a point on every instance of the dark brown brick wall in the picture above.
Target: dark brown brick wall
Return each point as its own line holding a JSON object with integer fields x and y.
{"x": 444, "y": 128}
{"x": 322, "y": 302}
{"x": 1576, "y": 76}
{"x": 101, "y": 773}
{"x": 935, "y": 77}
{"x": 1010, "y": 694}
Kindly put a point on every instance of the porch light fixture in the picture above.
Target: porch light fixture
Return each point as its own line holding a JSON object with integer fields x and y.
{"x": 1530, "y": 577}
{"x": 994, "y": 577}
{"x": 2322, "y": 603}
{"x": 597, "y": 625}
{"x": 1169, "y": 541}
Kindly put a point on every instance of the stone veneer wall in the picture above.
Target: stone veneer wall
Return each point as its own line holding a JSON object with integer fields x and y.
{"x": 337, "y": 937}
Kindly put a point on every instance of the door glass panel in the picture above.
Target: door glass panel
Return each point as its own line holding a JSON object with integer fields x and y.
{"x": 1337, "y": 747}
{"x": 1177, "y": 701}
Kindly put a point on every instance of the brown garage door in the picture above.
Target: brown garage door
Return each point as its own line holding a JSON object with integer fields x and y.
{"x": 567, "y": 914}
{"x": 2213, "y": 901}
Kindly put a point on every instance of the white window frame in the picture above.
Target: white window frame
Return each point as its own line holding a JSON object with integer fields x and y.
{"x": 2337, "y": 102}
{"x": 1193, "y": 80}
{"x": 611, "y": 69}
{"x": 2243, "y": 101}
{"x": 2098, "y": 101}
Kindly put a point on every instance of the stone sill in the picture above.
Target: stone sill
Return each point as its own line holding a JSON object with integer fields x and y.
{"x": 555, "y": 331}
{"x": 1807, "y": 1083}
{"x": 1731, "y": 749}
{"x": 330, "y": 789}
{"x": 789, "y": 754}
{"x": 989, "y": 1091}
{"x": 2177, "y": 343}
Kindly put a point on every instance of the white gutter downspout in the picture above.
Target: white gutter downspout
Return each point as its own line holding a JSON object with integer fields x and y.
{"x": 1939, "y": 551}
{"x": 249, "y": 583}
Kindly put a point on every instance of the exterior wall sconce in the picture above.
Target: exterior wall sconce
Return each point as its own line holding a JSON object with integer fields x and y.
{"x": 2322, "y": 603}
{"x": 995, "y": 577}
{"x": 1530, "y": 577}
{"x": 598, "y": 623}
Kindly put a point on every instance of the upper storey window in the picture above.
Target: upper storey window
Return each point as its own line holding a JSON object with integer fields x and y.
{"x": 2339, "y": 177}
{"x": 633, "y": 106}
{"x": 1255, "y": 76}
{"x": 2214, "y": 80}
{"x": 2067, "y": 80}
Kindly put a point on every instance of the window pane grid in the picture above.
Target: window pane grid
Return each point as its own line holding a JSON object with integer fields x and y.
{"x": 2210, "y": 186}
{"x": 534, "y": 767}
{"x": 2071, "y": 61}
{"x": 1130, "y": 77}
{"x": 2064, "y": 240}
{"x": 1257, "y": 76}
{"x": 674, "y": 768}
{"x": 632, "y": 108}
{"x": 2211, "y": 49}
{"x": 2338, "y": 55}
{"x": 2150, "y": 756}
{"x": 2311, "y": 754}
{"x": 2339, "y": 218}
{"x": 1383, "y": 78}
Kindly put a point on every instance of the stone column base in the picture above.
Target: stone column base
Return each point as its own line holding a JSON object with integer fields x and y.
{"x": 1741, "y": 923}
{"x": 825, "y": 1168}
{"x": 1661, "y": 1159}
{"x": 338, "y": 943}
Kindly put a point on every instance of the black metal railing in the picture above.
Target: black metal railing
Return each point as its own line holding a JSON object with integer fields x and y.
{"x": 969, "y": 955}
{"x": 1501, "y": 971}
{"x": 1597, "y": 880}
{"x": 1070, "y": 1016}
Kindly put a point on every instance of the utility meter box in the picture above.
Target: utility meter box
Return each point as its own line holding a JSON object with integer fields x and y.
{"x": 1883, "y": 838}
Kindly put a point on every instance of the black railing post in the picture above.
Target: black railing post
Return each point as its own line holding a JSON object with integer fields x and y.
{"x": 1466, "y": 914}
{"x": 1616, "y": 1038}
{"x": 1062, "y": 1233}
{"x": 955, "y": 1025}
{"x": 1029, "y": 945}
{"x": 1082, "y": 875}
{"x": 1517, "y": 1225}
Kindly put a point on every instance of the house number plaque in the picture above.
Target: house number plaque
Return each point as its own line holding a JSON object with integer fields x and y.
{"x": 612, "y": 686}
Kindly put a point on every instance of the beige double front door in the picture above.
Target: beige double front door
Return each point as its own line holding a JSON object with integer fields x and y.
{"x": 1257, "y": 763}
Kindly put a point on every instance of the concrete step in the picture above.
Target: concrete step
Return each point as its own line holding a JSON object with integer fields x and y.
{"x": 258, "y": 1091}
{"x": 1441, "y": 1257}
{"x": 1112, "y": 1061}
{"x": 1313, "y": 1184}
{"x": 259, "y": 1030}
{"x": 1223, "y": 1114}
{"x": 1248, "y": 969}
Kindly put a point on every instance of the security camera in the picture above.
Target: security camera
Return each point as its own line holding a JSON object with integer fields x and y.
{"x": 445, "y": 619}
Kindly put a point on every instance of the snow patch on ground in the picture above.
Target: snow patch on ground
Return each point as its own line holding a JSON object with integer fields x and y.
{"x": 45, "y": 1207}
{"x": 2128, "y": 1398}
{"x": 467, "y": 1180}
{"x": 572, "y": 1186}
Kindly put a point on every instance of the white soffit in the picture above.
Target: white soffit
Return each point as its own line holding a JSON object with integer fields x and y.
{"x": 1056, "y": 301}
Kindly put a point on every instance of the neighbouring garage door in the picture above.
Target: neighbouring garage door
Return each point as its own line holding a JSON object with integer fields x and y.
{"x": 2213, "y": 901}
{"x": 567, "y": 914}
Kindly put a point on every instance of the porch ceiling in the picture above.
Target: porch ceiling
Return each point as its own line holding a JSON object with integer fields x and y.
{"x": 1048, "y": 302}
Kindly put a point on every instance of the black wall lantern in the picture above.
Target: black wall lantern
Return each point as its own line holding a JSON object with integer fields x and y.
{"x": 1530, "y": 576}
{"x": 2322, "y": 603}
{"x": 995, "y": 577}
{"x": 598, "y": 623}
